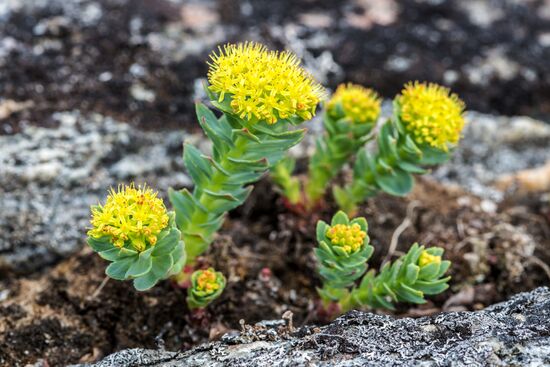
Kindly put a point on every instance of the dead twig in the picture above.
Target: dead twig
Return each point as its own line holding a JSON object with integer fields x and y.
{"x": 539, "y": 262}
{"x": 399, "y": 230}
{"x": 99, "y": 288}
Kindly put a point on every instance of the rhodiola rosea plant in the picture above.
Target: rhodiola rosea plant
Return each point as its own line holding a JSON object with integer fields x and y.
{"x": 342, "y": 256}
{"x": 422, "y": 131}
{"x": 261, "y": 96}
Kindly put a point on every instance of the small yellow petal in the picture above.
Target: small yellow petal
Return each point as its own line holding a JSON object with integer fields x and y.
{"x": 349, "y": 237}
{"x": 264, "y": 85}
{"x": 359, "y": 104}
{"x": 427, "y": 259}
{"x": 431, "y": 114}
{"x": 130, "y": 213}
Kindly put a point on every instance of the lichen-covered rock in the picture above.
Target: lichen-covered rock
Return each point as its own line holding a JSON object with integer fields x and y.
{"x": 49, "y": 177}
{"x": 493, "y": 147}
{"x": 516, "y": 332}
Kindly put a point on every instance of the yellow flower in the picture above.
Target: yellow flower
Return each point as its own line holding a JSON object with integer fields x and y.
{"x": 431, "y": 114}
{"x": 263, "y": 84}
{"x": 426, "y": 259}
{"x": 207, "y": 281}
{"x": 130, "y": 214}
{"x": 359, "y": 104}
{"x": 349, "y": 237}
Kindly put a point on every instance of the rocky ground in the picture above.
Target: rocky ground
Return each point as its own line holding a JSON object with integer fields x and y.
{"x": 513, "y": 333}
{"x": 98, "y": 92}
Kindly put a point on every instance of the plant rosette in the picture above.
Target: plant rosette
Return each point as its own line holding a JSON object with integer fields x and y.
{"x": 206, "y": 286}
{"x": 408, "y": 279}
{"x": 138, "y": 236}
{"x": 342, "y": 254}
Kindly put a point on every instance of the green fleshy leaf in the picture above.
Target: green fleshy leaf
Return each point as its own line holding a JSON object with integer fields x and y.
{"x": 435, "y": 251}
{"x": 339, "y": 218}
{"x": 362, "y": 223}
{"x": 178, "y": 253}
{"x": 406, "y": 293}
{"x": 126, "y": 252}
{"x": 326, "y": 248}
{"x": 167, "y": 243}
{"x": 410, "y": 167}
{"x": 198, "y": 167}
{"x": 118, "y": 269}
{"x": 412, "y": 273}
{"x": 443, "y": 267}
{"x": 111, "y": 254}
{"x": 432, "y": 288}
{"x": 161, "y": 265}
{"x": 339, "y": 251}
{"x": 398, "y": 183}
{"x": 179, "y": 257}
{"x": 383, "y": 302}
{"x": 216, "y": 130}
{"x": 100, "y": 244}
{"x": 390, "y": 292}
{"x": 145, "y": 282}
{"x": 141, "y": 265}
{"x": 432, "y": 156}
{"x": 429, "y": 271}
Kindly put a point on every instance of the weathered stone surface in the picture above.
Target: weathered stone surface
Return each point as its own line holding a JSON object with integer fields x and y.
{"x": 493, "y": 147}
{"x": 49, "y": 177}
{"x": 516, "y": 332}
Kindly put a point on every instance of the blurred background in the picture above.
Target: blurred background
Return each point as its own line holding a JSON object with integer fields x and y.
{"x": 142, "y": 61}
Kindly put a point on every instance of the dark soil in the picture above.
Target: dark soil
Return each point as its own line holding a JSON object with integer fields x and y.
{"x": 61, "y": 316}
{"x": 69, "y": 76}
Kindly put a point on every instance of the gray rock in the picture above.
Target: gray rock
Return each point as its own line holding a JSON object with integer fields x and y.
{"x": 493, "y": 146}
{"x": 50, "y": 177}
{"x": 516, "y": 332}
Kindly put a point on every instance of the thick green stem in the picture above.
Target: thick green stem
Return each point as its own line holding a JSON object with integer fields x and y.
{"x": 281, "y": 174}
{"x": 322, "y": 168}
{"x": 242, "y": 153}
{"x": 218, "y": 179}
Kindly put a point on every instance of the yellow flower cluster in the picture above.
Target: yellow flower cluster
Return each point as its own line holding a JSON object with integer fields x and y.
{"x": 427, "y": 259}
{"x": 207, "y": 281}
{"x": 359, "y": 104}
{"x": 263, "y": 85}
{"x": 349, "y": 237}
{"x": 431, "y": 114}
{"x": 131, "y": 213}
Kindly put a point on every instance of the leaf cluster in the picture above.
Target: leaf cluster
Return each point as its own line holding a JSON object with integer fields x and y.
{"x": 147, "y": 267}
{"x": 404, "y": 280}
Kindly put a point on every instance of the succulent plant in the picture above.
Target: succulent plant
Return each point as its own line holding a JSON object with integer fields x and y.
{"x": 260, "y": 94}
{"x": 342, "y": 257}
{"x": 408, "y": 279}
{"x": 350, "y": 116}
{"x": 342, "y": 254}
{"x": 426, "y": 124}
{"x": 206, "y": 286}
{"x": 138, "y": 236}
